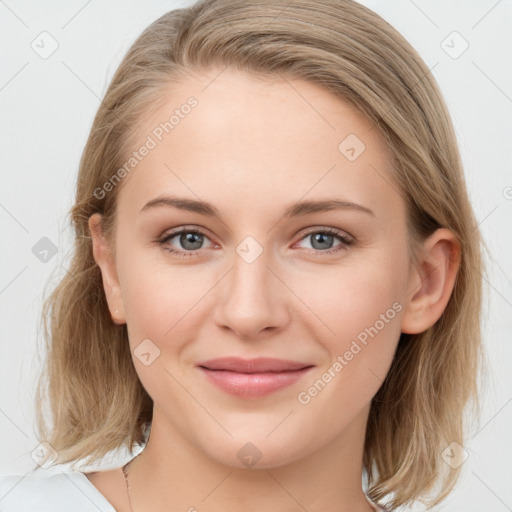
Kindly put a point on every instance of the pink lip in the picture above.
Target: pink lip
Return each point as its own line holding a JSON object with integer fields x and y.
{"x": 252, "y": 378}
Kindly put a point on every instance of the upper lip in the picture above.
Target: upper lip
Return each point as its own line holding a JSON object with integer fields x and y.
{"x": 258, "y": 365}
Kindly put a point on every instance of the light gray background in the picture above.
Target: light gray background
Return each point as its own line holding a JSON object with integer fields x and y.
{"x": 47, "y": 109}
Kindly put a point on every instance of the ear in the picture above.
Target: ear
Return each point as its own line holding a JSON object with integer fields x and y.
{"x": 431, "y": 281}
{"x": 105, "y": 259}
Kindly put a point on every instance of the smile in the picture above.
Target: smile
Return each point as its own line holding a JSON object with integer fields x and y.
{"x": 253, "y": 378}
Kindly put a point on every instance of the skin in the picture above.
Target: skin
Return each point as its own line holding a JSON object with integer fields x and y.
{"x": 250, "y": 148}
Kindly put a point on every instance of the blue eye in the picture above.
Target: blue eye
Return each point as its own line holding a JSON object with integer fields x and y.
{"x": 192, "y": 240}
{"x": 326, "y": 236}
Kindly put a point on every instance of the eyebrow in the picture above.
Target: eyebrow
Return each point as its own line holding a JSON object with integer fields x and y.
{"x": 294, "y": 210}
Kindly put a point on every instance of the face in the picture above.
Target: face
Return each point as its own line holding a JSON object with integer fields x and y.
{"x": 253, "y": 276}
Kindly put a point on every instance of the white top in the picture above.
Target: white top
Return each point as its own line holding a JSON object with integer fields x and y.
{"x": 59, "y": 492}
{"x": 56, "y": 492}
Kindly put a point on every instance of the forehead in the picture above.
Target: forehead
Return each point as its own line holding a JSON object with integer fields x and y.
{"x": 240, "y": 139}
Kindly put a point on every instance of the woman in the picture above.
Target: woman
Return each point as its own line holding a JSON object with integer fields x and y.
{"x": 204, "y": 319}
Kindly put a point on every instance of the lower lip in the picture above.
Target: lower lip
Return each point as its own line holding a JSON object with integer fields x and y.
{"x": 253, "y": 385}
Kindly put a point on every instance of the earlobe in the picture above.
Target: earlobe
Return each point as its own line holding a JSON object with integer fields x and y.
{"x": 432, "y": 281}
{"x": 105, "y": 260}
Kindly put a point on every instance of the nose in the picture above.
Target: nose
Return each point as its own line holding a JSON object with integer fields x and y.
{"x": 252, "y": 302}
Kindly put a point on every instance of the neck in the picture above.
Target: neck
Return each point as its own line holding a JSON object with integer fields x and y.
{"x": 171, "y": 470}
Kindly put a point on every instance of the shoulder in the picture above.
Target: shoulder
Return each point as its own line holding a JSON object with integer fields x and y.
{"x": 50, "y": 491}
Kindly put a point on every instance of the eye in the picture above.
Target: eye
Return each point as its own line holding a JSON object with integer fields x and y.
{"x": 190, "y": 239}
{"x": 322, "y": 240}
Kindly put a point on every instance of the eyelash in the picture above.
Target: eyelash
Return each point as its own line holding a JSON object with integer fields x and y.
{"x": 324, "y": 231}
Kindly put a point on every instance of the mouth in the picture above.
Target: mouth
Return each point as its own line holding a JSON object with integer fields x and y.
{"x": 253, "y": 378}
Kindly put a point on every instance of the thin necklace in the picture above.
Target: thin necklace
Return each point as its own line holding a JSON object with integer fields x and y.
{"x": 127, "y": 485}
{"x": 125, "y": 473}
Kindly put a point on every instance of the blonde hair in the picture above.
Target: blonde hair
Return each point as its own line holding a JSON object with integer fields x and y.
{"x": 96, "y": 400}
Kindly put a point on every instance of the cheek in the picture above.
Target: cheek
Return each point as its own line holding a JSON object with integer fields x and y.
{"x": 360, "y": 308}
{"x": 161, "y": 305}
{"x": 348, "y": 299}
{"x": 162, "y": 299}
{"x": 367, "y": 331}
{"x": 155, "y": 300}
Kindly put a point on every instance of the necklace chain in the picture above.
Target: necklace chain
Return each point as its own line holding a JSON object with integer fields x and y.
{"x": 125, "y": 473}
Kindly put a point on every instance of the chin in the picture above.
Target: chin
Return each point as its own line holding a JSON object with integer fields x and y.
{"x": 255, "y": 452}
